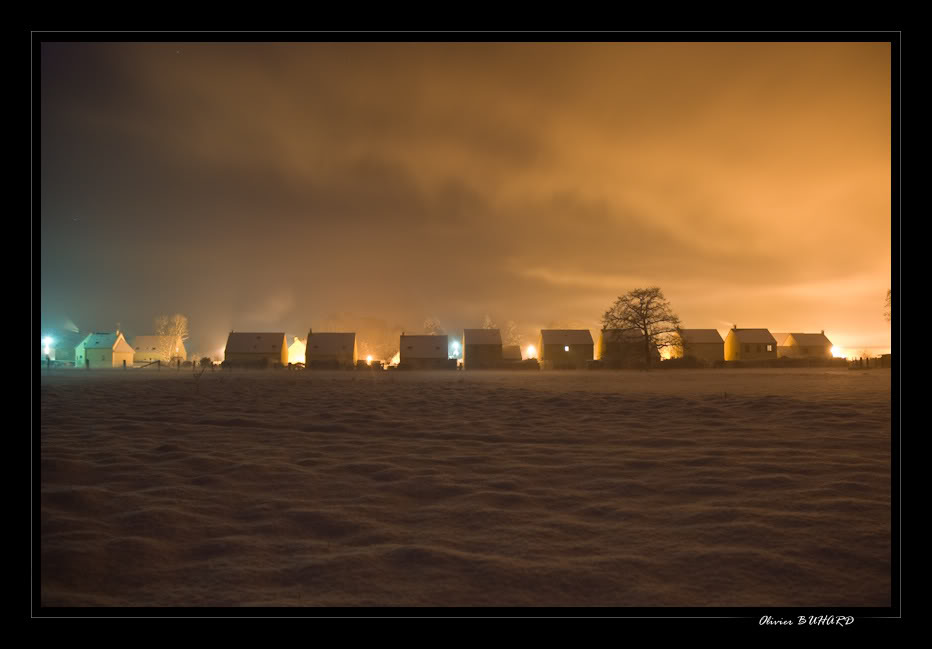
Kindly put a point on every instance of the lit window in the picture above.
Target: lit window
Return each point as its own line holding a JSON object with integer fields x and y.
{"x": 769, "y": 348}
{"x": 566, "y": 348}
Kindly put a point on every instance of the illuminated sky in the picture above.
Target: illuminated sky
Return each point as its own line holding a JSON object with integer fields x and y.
{"x": 283, "y": 186}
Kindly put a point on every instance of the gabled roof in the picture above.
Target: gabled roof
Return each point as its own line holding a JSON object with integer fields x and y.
{"x": 753, "y": 336}
{"x": 566, "y": 337}
{"x": 622, "y": 336}
{"x": 151, "y": 343}
{"x": 482, "y": 337}
{"x": 105, "y": 340}
{"x": 701, "y": 336}
{"x": 330, "y": 342}
{"x": 511, "y": 353}
{"x": 780, "y": 338}
{"x": 811, "y": 340}
{"x": 246, "y": 342}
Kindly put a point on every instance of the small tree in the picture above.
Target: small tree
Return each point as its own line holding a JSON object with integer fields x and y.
{"x": 510, "y": 335}
{"x": 488, "y": 323}
{"x": 432, "y": 326}
{"x": 173, "y": 331}
{"x": 647, "y": 311}
{"x": 887, "y": 306}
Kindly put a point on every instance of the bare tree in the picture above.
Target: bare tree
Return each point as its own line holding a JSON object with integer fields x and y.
{"x": 432, "y": 326}
{"x": 488, "y": 323}
{"x": 887, "y": 306}
{"x": 644, "y": 310}
{"x": 510, "y": 335}
{"x": 173, "y": 331}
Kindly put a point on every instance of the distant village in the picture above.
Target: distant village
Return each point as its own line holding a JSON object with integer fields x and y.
{"x": 475, "y": 349}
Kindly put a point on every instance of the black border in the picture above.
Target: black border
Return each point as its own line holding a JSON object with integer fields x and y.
{"x": 740, "y": 617}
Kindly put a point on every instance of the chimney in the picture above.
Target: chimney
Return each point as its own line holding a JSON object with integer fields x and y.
{"x": 735, "y": 327}
{"x": 823, "y": 332}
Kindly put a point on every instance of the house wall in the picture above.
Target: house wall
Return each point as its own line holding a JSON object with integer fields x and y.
{"x": 558, "y": 358}
{"x": 709, "y": 352}
{"x": 810, "y": 351}
{"x": 102, "y": 358}
{"x": 625, "y": 354}
{"x": 436, "y": 350}
{"x": 99, "y": 358}
{"x": 481, "y": 356}
{"x": 738, "y": 351}
{"x": 250, "y": 358}
{"x": 340, "y": 357}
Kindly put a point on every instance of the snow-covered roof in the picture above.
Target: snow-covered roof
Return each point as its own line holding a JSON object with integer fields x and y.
{"x": 249, "y": 342}
{"x": 780, "y": 338}
{"x": 566, "y": 337}
{"x": 622, "y": 336}
{"x": 105, "y": 340}
{"x": 330, "y": 342}
{"x": 701, "y": 336}
{"x": 482, "y": 337}
{"x": 753, "y": 336}
{"x": 811, "y": 340}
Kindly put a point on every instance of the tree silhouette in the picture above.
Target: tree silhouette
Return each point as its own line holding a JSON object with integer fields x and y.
{"x": 887, "y": 306}
{"x": 646, "y": 311}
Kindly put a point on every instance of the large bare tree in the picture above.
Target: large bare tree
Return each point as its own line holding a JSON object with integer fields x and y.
{"x": 173, "y": 331}
{"x": 647, "y": 311}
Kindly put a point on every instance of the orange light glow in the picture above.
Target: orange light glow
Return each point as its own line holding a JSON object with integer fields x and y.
{"x": 369, "y": 360}
{"x": 838, "y": 352}
{"x": 531, "y": 351}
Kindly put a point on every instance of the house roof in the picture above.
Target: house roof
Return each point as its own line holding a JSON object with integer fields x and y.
{"x": 105, "y": 340}
{"x": 780, "y": 338}
{"x": 566, "y": 337}
{"x": 511, "y": 352}
{"x": 622, "y": 336}
{"x": 811, "y": 340}
{"x": 701, "y": 336}
{"x": 250, "y": 342}
{"x": 330, "y": 342}
{"x": 482, "y": 337}
{"x": 425, "y": 346}
{"x": 151, "y": 343}
{"x": 753, "y": 336}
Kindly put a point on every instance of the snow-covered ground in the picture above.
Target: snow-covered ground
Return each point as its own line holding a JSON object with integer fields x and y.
{"x": 668, "y": 488}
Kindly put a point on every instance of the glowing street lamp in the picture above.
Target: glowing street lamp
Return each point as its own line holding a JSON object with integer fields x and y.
{"x": 47, "y": 341}
{"x": 369, "y": 360}
{"x": 531, "y": 351}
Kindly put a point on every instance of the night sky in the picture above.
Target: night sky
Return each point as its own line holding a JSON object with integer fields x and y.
{"x": 275, "y": 187}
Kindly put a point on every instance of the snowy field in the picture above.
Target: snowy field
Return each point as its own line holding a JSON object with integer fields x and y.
{"x": 590, "y": 488}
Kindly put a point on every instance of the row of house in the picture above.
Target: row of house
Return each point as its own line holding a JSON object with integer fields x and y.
{"x": 482, "y": 348}
{"x": 110, "y": 349}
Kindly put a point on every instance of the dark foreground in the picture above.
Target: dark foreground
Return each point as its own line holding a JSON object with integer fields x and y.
{"x": 691, "y": 488}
